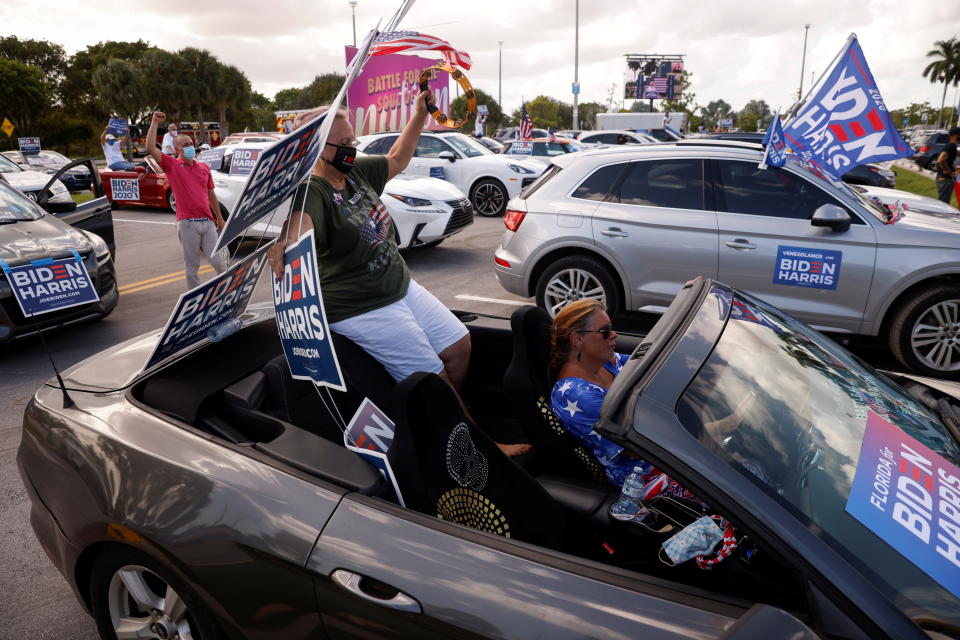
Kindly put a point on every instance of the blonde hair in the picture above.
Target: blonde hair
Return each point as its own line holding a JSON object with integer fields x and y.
{"x": 572, "y": 318}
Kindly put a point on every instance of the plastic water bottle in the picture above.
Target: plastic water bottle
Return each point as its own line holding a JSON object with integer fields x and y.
{"x": 218, "y": 332}
{"x": 630, "y": 506}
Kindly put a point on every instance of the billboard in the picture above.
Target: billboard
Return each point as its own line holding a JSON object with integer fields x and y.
{"x": 650, "y": 78}
{"x": 381, "y": 98}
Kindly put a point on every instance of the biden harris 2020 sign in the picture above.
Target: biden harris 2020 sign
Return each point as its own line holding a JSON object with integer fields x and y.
{"x": 301, "y": 319}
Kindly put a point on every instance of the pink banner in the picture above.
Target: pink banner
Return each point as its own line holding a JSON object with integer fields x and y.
{"x": 381, "y": 98}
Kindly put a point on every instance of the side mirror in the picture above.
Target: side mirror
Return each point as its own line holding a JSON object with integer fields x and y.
{"x": 60, "y": 207}
{"x": 832, "y": 216}
{"x": 447, "y": 155}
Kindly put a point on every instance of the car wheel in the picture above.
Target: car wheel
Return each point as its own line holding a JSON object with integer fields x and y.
{"x": 925, "y": 332}
{"x": 489, "y": 197}
{"x": 171, "y": 201}
{"x": 133, "y": 596}
{"x": 576, "y": 278}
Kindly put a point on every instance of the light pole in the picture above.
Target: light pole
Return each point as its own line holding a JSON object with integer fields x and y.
{"x": 353, "y": 9}
{"x": 576, "y": 62}
{"x": 803, "y": 61}
{"x": 500, "y": 77}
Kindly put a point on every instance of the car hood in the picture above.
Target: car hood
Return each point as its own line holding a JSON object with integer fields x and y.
{"x": 923, "y": 229}
{"x": 28, "y": 180}
{"x": 422, "y": 187}
{"x": 500, "y": 160}
{"x": 914, "y": 202}
{"x": 26, "y": 240}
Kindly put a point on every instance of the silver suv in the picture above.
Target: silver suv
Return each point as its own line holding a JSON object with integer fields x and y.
{"x": 629, "y": 226}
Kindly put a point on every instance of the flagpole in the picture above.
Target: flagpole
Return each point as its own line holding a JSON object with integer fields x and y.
{"x": 828, "y": 69}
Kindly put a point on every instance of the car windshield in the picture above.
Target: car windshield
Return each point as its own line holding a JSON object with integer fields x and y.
{"x": 7, "y": 165}
{"x": 14, "y": 206}
{"x": 859, "y": 461}
{"x": 47, "y": 158}
{"x": 876, "y": 208}
{"x": 467, "y": 145}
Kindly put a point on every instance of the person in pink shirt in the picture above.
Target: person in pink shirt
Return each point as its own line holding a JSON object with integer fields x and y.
{"x": 198, "y": 212}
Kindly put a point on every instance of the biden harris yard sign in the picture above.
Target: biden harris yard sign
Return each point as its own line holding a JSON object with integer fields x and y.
{"x": 301, "y": 319}
{"x": 50, "y": 285}
{"x": 909, "y": 496}
{"x": 216, "y": 301}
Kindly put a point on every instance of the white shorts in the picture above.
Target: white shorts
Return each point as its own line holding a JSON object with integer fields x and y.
{"x": 406, "y": 336}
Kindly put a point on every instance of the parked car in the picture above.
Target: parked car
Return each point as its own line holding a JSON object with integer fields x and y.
{"x": 49, "y": 162}
{"x": 489, "y": 179}
{"x": 161, "y": 497}
{"x": 506, "y": 135}
{"x": 629, "y": 225}
{"x": 491, "y": 143}
{"x": 597, "y": 139}
{"x": 929, "y": 151}
{"x": 146, "y": 185}
{"x": 871, "y": 175}
{"x": 35, "y": 184}
{"x": 425, "y": 211}
{"x": 244, "y": 138}
{"x": 571, "y": 134}
{"x": 28, "y": 233}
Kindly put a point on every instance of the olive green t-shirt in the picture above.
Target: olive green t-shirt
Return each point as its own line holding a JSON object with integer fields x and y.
{"x": 360, "y": 266}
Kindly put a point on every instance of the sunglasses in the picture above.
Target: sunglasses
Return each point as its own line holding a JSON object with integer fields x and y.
{"x": 604, "y": 331}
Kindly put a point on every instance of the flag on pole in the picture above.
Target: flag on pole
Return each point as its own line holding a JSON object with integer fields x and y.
{"x": 844, "y": 121}
{"x": 775, "y": 153}
{"x": 526, "y": 126}
{"x": 551, "y": 136}
{"x": 407, "y": 41}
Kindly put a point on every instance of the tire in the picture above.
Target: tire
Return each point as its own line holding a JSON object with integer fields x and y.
{"x": 171, "y": 201}
{"x": 114, "y": 607}
{"x": 489, "y": 197}
{"x": 924, "y": 333}
{"x": 574, "y": 278}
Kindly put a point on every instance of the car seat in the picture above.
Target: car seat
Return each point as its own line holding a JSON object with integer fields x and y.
{"x": 447, "y": 467}
{"x": 527, "y": 384}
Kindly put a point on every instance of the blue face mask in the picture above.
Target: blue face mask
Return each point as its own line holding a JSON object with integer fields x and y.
{"x": 189, "y": 153}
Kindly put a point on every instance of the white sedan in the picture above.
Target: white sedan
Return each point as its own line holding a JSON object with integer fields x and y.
{"x": 425, "y": 211}
{"x": 491, "y": 179}
{"x": 31, "y": 182}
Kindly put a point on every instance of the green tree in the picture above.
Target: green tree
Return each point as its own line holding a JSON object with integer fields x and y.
{"x": 321, "y": 91}
{"x": 163, "y": 86}
{"x": 685, "y": 100}
{"x": 587, "y": 114}
{"x": 233, "y": 89}
{"x": 714, "y": 112}
{"x": 945, "y": 67}
{"x": 77, "y": 91}
{"x": 287, "y": 99}
{"x": 46, "y": 56}
{"x": 121, "y": 91}
{"x": 544, "y": 112}
{"x": 61, "y": 129}
{"x": 458, "y": 109}
{"x": 24, "y": 95}
{"x": 747, "y": 121}
{"x": 640, "y": 106}
{"x": 200, "y": 81}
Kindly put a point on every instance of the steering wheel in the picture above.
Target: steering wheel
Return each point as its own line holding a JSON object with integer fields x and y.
{"x": 468, "y": 92}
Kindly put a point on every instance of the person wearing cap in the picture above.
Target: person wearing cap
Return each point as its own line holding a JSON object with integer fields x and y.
{"x": 111, "y": 146}
{"x": 167, "y": 145}
{"x": 945, "y": 166}
{"x": 198, "y": 211}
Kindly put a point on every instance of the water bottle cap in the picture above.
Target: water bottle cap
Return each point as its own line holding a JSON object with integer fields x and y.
{"x": 638, "y": 469}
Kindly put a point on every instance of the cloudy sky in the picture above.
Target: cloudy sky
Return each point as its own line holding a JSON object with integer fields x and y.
{"x": 737, "y": 50}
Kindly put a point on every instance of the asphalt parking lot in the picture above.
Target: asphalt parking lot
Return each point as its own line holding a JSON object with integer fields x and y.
{"x": 36, "y": 602}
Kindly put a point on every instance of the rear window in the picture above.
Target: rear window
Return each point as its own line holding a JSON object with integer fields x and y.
{"x": 380, "y": 147}
{"x": 599, "y": 183}
{"x": 540, "y": 181}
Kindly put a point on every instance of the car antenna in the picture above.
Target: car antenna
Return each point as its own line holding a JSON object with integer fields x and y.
{"x": 67, "y": 400}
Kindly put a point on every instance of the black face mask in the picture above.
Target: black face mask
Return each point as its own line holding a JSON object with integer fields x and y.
{"x": 343, "y": 158}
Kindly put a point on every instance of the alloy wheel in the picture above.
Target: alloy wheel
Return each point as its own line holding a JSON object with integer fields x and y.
{"x": 935, "y": 337}
{"x": 488, "y": 199}
{"x": 569, "y": 285}
{"x": 142, "y": 605}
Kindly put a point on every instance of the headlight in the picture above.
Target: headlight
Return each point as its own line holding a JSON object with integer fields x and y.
{"x": 100, "y": 248}
{"x": 518, "y": 169}
{"x": 411, "y": 201}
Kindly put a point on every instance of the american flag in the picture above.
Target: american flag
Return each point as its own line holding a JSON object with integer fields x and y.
{"x": 405, "y": 41}
{"x": 526, "y": 127}
{"x": 376, "y": 227}
{"x": 551, "y": 136}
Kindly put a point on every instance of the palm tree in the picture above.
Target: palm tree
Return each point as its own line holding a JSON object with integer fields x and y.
{"x": 120, "y": 89}
{"x": 233, "y": 88}
{"x": 200, "y": 81}
{"x": 945, "y": 68}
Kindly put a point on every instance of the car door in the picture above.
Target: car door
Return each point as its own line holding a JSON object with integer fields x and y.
{"x": 660, "y": 227}
{"x": 427, "y": 162}
{"x": 384, "y": 572}
{"x": 769, "y": 248}
{"x": 93, "y": 215}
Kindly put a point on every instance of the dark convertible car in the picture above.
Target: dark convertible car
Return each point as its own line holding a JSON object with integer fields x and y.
{"x": 213, "y": 496}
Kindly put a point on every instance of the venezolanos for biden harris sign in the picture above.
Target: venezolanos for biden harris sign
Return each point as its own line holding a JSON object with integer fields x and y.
{"x": 382, "y": 96}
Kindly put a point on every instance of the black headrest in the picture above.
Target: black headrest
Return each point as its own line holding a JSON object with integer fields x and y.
{"x": 528, "y": 371}
{"x": 458, "y": 473}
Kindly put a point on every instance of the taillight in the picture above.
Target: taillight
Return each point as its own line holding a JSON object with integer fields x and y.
{"x": 924, "y": 149}
{"x": 512, "y": 219}
{"x": 501, "y": 262}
